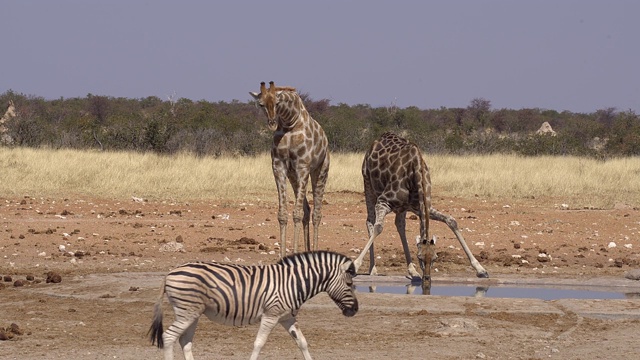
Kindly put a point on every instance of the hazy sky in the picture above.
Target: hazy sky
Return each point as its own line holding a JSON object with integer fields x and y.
{"x": 576, "y": 55}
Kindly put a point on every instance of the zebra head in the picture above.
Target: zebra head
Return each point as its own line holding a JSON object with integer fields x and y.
{"x": 340, "y": 287}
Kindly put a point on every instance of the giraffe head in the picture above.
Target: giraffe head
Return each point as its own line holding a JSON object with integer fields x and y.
{"x": 426, "y": 255}
{"x": 268, "y": 99}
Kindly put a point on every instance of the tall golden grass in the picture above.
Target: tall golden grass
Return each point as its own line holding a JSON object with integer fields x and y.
{"x": 120, "y": 175}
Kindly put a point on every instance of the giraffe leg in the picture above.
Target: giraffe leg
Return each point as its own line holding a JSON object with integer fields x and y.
{"x": 298, "y": 181}
{"x": 318, "y": 183}
{"x": 279, "y": 173}
{"x": 306, "y": 215}
{"x": 401, "y": 225}
{"x": 291, "y": 325}
{"x": 381, "y": 210}
{"x": 266, "y": 325}
{"x": 453, "y": 225}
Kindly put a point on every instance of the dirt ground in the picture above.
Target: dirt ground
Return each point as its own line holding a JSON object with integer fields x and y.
{"x": 110, "y": 257}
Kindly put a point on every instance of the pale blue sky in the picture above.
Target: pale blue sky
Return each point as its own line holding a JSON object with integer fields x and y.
{"x": 576, "y": 55}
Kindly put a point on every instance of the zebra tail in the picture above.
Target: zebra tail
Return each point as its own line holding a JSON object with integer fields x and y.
{"x": 155, "y": 331}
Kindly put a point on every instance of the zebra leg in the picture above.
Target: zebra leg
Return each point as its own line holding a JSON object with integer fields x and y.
{"x": 266, "y": 325}
{"x": 177, "y": 330}
{"x": 186, "y": 340}
{"x": 291, "y": 325}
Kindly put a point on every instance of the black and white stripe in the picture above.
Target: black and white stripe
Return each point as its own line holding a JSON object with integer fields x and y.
{"x": 240, "y": 295}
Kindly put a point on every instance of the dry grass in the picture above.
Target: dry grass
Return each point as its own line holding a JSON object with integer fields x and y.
{"x": 120, "y": 175}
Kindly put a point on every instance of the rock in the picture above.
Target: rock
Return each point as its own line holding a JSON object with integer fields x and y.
{"x": 53, "y": 277}
{"x": 14, "y": 328}
{"x": 172, "y": 246}
{"x": 7, "y": 278}
{"x": 30, "y": 277}
{"x": 18, "y": 283}
{"x": 611, "y": 245}
{"x": 456, "y": 326}
{"x": 633, "y": 274}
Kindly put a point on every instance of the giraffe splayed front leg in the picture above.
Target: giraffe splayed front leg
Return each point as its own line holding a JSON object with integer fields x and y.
{"x": 396, "y": 179}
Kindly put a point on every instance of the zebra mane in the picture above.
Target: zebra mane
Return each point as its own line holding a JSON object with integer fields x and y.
{"x": 299, "y": 258}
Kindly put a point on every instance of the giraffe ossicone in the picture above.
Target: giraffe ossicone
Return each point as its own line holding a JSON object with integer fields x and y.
{"x": 299, "y": 153}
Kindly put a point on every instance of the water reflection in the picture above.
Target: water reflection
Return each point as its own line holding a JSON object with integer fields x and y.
{"x": 544, "y": 293}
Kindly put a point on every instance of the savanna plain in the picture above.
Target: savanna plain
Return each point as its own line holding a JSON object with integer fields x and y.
{"x": 109, "y": 225}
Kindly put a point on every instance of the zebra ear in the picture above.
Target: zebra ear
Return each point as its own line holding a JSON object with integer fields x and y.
{"x": 349, "y": 267}
{"x": 345, "y": 266}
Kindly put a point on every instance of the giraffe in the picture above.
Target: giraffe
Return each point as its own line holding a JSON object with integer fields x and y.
{"x": 397, "y": 179}
{"x": 8, "y": 115}
{"x": 300, "y": 151}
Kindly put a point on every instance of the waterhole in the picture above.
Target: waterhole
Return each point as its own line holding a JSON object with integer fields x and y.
{"x": 544, "y": 293}
{"x": 506, "y": 287}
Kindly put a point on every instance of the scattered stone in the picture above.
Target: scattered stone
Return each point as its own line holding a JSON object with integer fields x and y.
{"x": 179, "y": 239}
{"x": 611, "y": 245}
{"x": 7, "y": 278}
{"x": 18, "y": 283}
{"x": 15, "y": 329}
{"x": 133, "y": 288}
{"x": 10, "y": 331}
{"x": 633, "y": 274}
{"x": 542, "y": 257}
{"x": 106, "y": 296}
{"x": 30, "y": 277}
{"x": 456, "y": 326}
{"x": 172, "y": 246}
{"x": 517, "y": 246}
{"x": 247, "y": 241}
{"x": 618, "y": 263}
{"x": 53, "y": 277}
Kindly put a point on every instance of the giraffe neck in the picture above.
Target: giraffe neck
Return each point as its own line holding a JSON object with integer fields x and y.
{"x": 290, "y": 110}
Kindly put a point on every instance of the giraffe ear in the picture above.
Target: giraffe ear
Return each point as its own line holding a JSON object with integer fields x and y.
{"x": 255, "y": 95}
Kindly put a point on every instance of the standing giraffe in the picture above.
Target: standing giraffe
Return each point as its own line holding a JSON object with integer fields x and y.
{"x": 396, "y": 179}
{"x": 300, "y": 151}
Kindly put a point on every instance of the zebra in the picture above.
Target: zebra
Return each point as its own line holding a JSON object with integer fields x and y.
{"x": 239, "y": 295}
